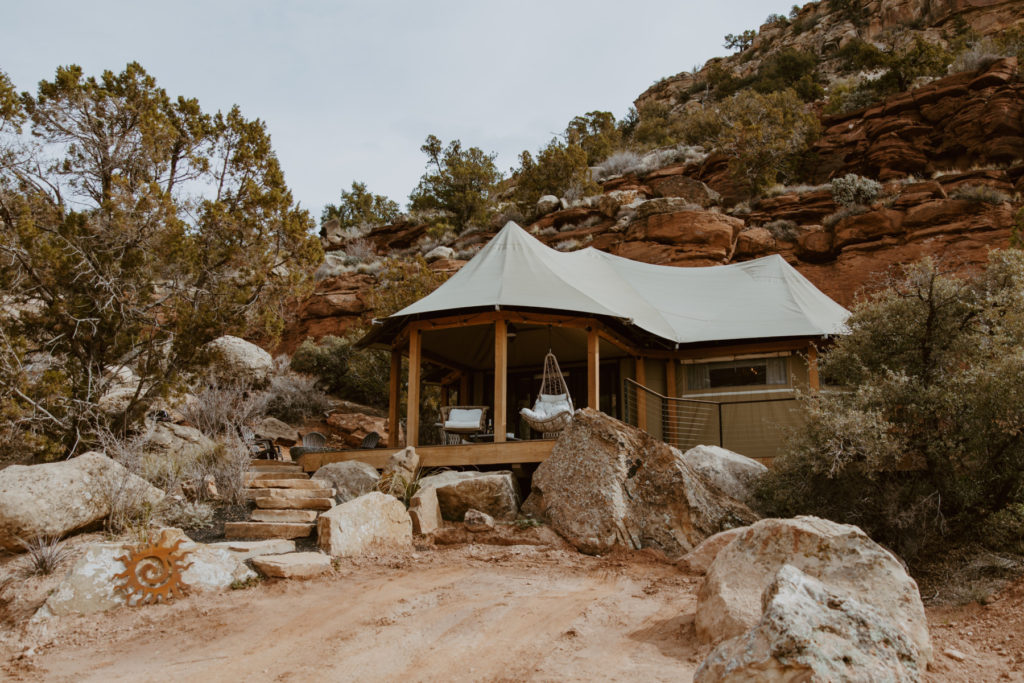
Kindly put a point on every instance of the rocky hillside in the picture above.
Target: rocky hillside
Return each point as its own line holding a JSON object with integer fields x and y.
{"x": 820, "y": 30}
{"x": 944, "y": 164}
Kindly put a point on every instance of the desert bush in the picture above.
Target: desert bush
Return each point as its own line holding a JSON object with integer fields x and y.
{"x": 979, "y": 55}
{"x": 853, "y": 189}
{"x": 220, "y": 407}
{"x": 619, "y": 163}
{"x": 924, "y": 443}
{"x": 982, "y": 194}
{"x": 765, "y": 136}
{"x": 359, "y": 375}
{"x": 1004, "y": 529}
{"x": 360, "y": 250}
{"x": 568, "y": 245}
{"x": 789, "y": 68}
{"x": 187, "y": 515}
{"x": 44, "y": 554}
{"x": 860, "y": 55}
{"x": 832, "y": 219}
{"x": 783, "y": 229}
{"x": 293, "y": 397}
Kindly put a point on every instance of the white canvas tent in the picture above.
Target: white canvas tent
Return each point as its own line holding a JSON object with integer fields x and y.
{"x": 765, "y": 298}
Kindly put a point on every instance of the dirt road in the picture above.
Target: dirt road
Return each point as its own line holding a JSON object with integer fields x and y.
{"x": 471, "y": 613}
{"x": 459, "y": 613}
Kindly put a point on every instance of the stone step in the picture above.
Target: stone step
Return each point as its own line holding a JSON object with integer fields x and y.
{"x": 274, "y": 466}
{"x": 254, "y": 475}
{"x": 287, "y": 484}
{"x": 318, "y": 492}
{"x": 268, "y": 529}
{"x": 293, "y": 565}
{"x": 244, "y": 550}
{"x": 283, "y": 516}
{"x": 276, "y": 503}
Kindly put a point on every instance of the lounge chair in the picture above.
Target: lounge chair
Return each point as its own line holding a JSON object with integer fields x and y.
{"x": 460, "y": 421}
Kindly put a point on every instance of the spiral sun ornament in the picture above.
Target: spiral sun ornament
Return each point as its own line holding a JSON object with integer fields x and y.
{"x": 153, "y": 573}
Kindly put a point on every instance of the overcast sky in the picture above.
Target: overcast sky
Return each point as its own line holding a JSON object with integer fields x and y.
{"x": 349, "y": 90}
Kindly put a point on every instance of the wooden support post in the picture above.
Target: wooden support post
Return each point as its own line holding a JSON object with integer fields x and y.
{"x": 670, "y": 412}
{"x": 593, "y": 370}
{"x": 500, "y": 378}
{"x": 412, "y": 412}
{"x": 464, "y": 399}
{"x": 641, "y": 397}
{"x": 812, "y": 368}
{"x": 394, "y": 393}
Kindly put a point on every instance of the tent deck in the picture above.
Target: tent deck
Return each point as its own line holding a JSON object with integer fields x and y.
{"x": 507, "y": 453}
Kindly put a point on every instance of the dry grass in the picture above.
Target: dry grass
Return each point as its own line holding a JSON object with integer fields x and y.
{"x": 45, "y": 555}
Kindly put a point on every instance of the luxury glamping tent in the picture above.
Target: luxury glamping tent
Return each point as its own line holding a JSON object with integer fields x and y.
{"x": 692, "y": 355}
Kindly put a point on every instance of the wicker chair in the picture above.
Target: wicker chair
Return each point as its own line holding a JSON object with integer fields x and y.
{"x": 553, "y": 410}
{"x": 314, "y": 441}
{"x": 466, "y": 420}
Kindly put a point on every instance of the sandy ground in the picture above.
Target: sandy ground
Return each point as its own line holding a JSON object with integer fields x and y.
{"x": 470, "y": 612}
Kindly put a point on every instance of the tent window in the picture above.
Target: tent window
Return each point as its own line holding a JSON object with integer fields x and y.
{"x": 747, "y": 373}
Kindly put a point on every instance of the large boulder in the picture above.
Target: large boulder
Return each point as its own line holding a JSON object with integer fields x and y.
{"x": 277, "y": 431}
{"x": 91, "y": 585}
{"x": 55, "y": 499}
{"x": 809, "y": 631}
{"x": 839, "y": 555}
{"x": 238, "y": 360}
{"x": 375, "y": 521}
{"x": 735, "y": 474}
{"x": 700, "y": 558}
{"x": 495, "y": 493}
{"x": 350, "y": 479}
{"x": 608, "y": 484}
{"x": 170, "y": 442}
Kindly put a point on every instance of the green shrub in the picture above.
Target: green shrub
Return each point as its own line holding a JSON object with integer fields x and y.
{"x": 293, "y": 397}
{"x": 924, "y": 443}
{"x": 1004, "y": 529}
{"x": 459, "y": 181}
{"x": 789, "y": 68}
{"x": 853, "y": 189}
{"x": 859, "y": 55}
{"x": 558, "y": 168}
{"x": 359, "y": 375}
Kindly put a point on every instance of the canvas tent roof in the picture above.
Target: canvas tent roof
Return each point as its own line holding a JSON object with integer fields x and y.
{"x": 758, "y": 299}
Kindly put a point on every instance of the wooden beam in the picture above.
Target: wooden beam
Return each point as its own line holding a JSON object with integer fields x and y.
{"x": 464, "y": 399}
{"x": 508, "y": 453}
{"x": 394, "y": 394}
{"x": 593, "y": 370}
{"x": 500, "y": 378}
{"x": 670, "y": 391}
{"x": 412, "y": 412}
{"x": 812, "y": 368}
{"x": 641, "y": 397}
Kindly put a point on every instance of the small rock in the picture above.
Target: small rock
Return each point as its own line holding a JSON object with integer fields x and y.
{"x": 293, "y": 565}
{"x": 954, "y": 654}
{"x": 439, "y": 253}
{"x": 478, "y": 521}
{"x": 425, "y": 511}
{"x": 547, "y": 204}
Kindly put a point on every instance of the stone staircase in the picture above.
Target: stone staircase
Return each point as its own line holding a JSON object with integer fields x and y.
{"x": 287, "y": 502}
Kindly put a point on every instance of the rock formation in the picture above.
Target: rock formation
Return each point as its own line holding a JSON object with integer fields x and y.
{"x": 608, "y": 484}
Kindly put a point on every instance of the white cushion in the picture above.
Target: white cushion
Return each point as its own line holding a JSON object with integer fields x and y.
{"x": 463, "y": 418}
{"x": 553, "y": 398}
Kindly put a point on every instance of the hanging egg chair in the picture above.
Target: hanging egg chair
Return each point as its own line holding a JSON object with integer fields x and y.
{"x": 553, "y": 409}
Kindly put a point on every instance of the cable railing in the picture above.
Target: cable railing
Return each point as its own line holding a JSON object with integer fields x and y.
{"x": 754, "y": 428}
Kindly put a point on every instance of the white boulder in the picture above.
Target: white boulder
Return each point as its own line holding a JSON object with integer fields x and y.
{"x": 439, "y": 253}
{"x": 91, "y": 585}
{"x": 55, "y": 499}
{"x": 547, "y": 204}
{"x": 375, "y": 521}
{"x": 495, "y": 493}
{"x": 735, "y": 474}
{"x": 235, "y": 359}
{"x": 811, "y": 632}
{"x": 350, "y": 479}
{"x": 839, "y": 555}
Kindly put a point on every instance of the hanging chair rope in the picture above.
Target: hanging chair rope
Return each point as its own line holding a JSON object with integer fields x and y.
{"x": 553, "y": 409}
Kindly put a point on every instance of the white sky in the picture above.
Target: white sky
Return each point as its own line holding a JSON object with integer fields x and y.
{"x": 349, "y": 90}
